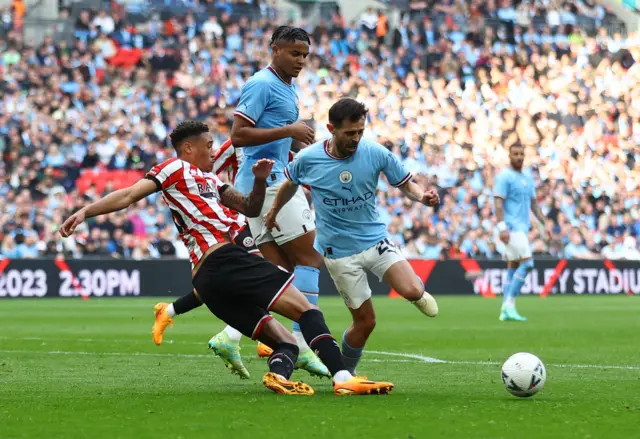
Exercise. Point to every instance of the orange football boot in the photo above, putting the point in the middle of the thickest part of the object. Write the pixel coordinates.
(161, 323)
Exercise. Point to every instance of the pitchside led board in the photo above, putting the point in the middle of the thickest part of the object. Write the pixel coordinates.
(34, 278)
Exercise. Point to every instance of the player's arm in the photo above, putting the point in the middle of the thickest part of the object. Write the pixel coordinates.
(499, 207)
(498, 202)
(537, 212)
(500, 192)
(398, 176)
(113, 202)
(255, 98)
(250, 204)
(414, 192)
(245, 134)
(535, 208)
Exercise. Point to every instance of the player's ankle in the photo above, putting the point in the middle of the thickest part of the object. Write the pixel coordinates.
(300, 341)
(233, 334)
(342, 376)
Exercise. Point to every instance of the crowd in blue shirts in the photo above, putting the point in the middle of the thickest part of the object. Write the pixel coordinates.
(448, 91)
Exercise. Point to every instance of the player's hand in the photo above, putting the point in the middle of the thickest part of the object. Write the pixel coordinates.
(69, 226)
(302, 132)
(541, 229)
(262, 168)
(504, 236)
(430, 198)
(270, 220)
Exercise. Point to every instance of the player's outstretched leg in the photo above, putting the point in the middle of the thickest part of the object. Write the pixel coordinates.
(307, 262)
(282, 360)
(165, 312)
(516, 285)
(226, 345)
(293, 305)
(401, 277)
(306, 280)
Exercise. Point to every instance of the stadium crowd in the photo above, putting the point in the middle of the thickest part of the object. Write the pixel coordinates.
(445, 92)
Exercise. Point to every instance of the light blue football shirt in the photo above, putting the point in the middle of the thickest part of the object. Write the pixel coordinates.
(344, 194)
(267, 102)
(517, 189)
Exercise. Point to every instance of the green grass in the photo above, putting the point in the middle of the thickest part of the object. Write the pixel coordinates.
(76, 369)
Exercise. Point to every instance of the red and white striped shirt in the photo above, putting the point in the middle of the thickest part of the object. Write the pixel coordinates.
(226, 159)
(194, 199)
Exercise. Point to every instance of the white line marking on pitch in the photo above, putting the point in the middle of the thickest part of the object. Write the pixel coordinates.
(149, 354)
(421, 358)
(99, 340)
(424, 359)
(409, 358)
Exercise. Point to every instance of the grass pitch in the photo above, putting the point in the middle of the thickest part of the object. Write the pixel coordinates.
(88, 369)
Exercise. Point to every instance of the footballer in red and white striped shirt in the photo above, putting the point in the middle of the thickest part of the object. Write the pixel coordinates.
(204, 209)
(194, 200)
(239, 287)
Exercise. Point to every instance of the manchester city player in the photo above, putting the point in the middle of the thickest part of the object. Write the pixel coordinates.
(343, 174)
(264, 126)
(515, 195)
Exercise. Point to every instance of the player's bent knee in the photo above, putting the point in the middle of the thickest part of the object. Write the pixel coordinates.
(291, 304)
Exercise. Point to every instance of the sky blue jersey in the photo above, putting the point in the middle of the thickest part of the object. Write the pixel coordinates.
(517, 189)
(344, 194)
(267, 102)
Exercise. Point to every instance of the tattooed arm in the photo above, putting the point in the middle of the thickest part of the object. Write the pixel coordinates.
(250, 204)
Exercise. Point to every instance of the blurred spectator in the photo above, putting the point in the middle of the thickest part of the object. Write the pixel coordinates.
(449, 95)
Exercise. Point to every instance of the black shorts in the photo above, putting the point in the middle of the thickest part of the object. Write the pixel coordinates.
(245, 240)
(240, 288)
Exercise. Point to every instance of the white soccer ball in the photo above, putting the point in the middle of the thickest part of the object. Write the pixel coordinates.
(523, 374)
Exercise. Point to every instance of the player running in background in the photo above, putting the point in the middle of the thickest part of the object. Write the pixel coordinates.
(264, 126)
(238, 287)
(515, 195)
(343, 174)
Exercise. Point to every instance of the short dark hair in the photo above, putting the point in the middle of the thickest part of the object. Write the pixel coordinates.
(186, 129)
(290, 34)
(346, 108)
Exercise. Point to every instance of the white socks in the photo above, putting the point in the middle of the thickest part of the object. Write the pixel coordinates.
(427, 305)
(342, 376)
(170, 311)
(302, 344)
(233, 333)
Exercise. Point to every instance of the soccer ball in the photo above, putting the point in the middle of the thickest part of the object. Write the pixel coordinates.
(523, 374)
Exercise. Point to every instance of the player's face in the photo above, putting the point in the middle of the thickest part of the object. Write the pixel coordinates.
(347, 137)
(516, 157)
(290, 57)
(201, 152)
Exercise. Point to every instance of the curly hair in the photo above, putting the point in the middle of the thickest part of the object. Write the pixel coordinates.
(290, 34)
(187, 129)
